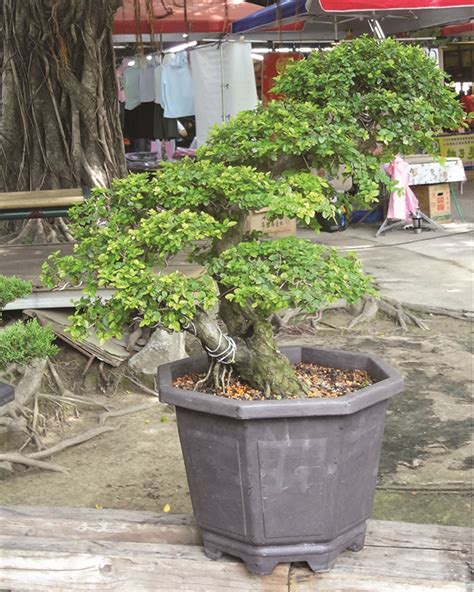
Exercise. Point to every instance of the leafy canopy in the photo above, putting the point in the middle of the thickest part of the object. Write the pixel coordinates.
(391, 90)
(346, 110)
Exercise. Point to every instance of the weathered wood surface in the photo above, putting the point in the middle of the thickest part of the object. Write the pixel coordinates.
(25, 261)
(40, 199)
(68, 549)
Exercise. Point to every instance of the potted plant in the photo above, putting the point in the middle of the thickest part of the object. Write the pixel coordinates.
(290, 477)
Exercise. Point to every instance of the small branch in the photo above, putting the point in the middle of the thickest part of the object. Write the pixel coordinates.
(103, 417)
(74, 399)
(141, 385)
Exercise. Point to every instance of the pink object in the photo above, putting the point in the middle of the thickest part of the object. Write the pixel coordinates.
(169, 146)
(120, 84)
(402, 204)
(182, 152)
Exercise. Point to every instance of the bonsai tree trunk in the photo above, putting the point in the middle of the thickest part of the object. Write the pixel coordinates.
(60, 112)
(256, 358)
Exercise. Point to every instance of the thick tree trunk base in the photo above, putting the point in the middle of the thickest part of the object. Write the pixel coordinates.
(60, 113)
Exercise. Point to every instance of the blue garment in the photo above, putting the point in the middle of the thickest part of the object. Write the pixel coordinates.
(177, 98)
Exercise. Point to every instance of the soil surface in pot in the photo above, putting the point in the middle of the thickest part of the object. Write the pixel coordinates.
(323, 382)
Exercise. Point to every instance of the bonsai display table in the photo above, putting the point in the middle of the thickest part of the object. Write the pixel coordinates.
(87, 549)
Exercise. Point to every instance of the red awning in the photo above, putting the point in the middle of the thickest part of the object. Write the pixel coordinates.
(202, 16)
(457, 30)
(364, 5)
(334, 19)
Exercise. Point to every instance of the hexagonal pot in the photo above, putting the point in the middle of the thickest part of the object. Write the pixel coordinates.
(288, 480)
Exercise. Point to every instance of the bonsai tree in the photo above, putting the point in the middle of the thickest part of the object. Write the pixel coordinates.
(353, 107)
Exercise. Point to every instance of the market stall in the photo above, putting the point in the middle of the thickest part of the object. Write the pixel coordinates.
(336, 19)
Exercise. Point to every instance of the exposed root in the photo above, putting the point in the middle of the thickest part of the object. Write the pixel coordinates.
(368, 313)
(392, 308)
(138, 383)
(103, 417)
(205, 381)
(292, 322)
(15, 458)
(74, 441)
(75, 400)
(216, 374)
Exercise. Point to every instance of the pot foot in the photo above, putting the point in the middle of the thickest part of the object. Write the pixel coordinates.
(212, 553)
(358, 543)
(260, 566)
(323, 562)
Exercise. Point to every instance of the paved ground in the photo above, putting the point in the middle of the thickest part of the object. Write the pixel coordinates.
(433, 268)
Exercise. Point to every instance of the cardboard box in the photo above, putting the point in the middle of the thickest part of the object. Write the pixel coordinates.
(435, 201)
(277, 228)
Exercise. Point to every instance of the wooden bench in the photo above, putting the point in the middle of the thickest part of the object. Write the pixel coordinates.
(52, 203)
(57, 549)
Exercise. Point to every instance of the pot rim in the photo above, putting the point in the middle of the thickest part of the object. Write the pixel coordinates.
(389, 383)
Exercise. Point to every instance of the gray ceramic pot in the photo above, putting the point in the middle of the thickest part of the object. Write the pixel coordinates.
(281, 481)
(7, 393)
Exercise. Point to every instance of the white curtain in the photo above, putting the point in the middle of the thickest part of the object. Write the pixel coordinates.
(223, 84)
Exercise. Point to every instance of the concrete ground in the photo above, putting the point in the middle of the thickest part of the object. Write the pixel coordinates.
(427, 459)
(433, 268)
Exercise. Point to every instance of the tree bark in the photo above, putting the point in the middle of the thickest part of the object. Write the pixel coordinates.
(257, 359)
(61, 123)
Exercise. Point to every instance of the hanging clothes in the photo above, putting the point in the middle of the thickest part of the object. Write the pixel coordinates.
(224, 84)
(146, 81)
(131, 77)
(157, 79)
(164, 128)
(177, 98)
(120, 82)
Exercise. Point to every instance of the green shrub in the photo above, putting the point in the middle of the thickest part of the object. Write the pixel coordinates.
(21, 343)
(12, 288)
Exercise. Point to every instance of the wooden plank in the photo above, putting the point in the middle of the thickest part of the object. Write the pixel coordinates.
(334, 581)
(25, 261)
(392, 562)
(40, 199)
(53, 565)
(105, 525)
(385, 533)
(399, 557)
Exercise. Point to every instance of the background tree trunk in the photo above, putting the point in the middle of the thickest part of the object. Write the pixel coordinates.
(60, 112)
